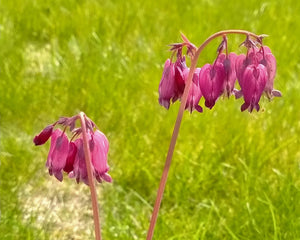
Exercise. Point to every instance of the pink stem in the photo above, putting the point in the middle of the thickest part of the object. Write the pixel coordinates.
(164, 176)
(87, 155)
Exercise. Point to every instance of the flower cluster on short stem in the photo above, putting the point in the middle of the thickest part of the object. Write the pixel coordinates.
(68, 154)
(254, 71)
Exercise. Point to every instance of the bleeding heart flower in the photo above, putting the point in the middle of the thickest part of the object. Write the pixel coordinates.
(58, 153)
(228, 63)
(79, 170)
(99, 149)
(195, 94)
(254, 82)
(167, 86)
(269, 61)
(180, 67)
(212, 82)
(69, 156)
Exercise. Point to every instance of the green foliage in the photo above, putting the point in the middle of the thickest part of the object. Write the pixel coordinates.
(234, 175)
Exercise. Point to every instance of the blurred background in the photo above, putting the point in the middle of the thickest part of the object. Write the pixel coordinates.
(234, 175)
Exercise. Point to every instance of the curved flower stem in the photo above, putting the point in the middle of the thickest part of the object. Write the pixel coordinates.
(87, 156)
(164, 176)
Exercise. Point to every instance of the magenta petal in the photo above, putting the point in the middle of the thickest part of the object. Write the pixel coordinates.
(71, 157)
(43, 136)
(206, 84)
(211, 82)
(195, 94)
(266, 49)
(228, 63)
(179, 66)
(271, 65)
(240, 66)
(244, 106)
(269, 61)
(99, 153)
(237, 93)
(271, 68)
(230, 74)
(106, 177)
(79, 171)
(254, 82)
(58, 175)
(198, 108)
(167, 85)
(58, 153)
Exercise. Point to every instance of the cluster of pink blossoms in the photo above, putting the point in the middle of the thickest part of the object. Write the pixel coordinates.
(254, 71)
(68, 156)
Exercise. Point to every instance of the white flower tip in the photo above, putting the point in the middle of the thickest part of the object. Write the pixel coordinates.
(276, 93)
(106, 177)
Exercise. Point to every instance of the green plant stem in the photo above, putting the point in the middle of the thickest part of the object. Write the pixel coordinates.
(164, 176)
(87, 156)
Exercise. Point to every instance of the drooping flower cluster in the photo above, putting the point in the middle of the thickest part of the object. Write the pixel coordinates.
(173, 81)
(254, 71)
(68, 155)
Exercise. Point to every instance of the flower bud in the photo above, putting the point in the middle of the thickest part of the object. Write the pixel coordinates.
(43, 136)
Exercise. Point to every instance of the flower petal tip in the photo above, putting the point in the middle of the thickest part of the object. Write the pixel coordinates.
(199, 108)
(59, 176)
(237, 93)
(244, 107)
(276, 93)
(106, 177)
(209, 104)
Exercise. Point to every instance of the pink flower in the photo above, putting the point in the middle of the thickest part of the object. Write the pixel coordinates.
(212, 82)
(172, 84)
(98, 145)
(195, 94)
(265, 57)
(43, 136)
(79, 168)
(269, 61)
(254, 81)
(180, 67)
(99, 149)
(167, 85)
(261, 64)
(240, 65)
(71, 157)
(58, 153)
(228, 63)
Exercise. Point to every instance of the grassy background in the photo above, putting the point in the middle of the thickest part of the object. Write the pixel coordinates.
(234, 175)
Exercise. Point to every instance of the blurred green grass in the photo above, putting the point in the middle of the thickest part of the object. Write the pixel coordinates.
(234, 175)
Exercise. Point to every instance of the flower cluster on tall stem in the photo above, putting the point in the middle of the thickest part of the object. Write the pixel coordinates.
(255, 73)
